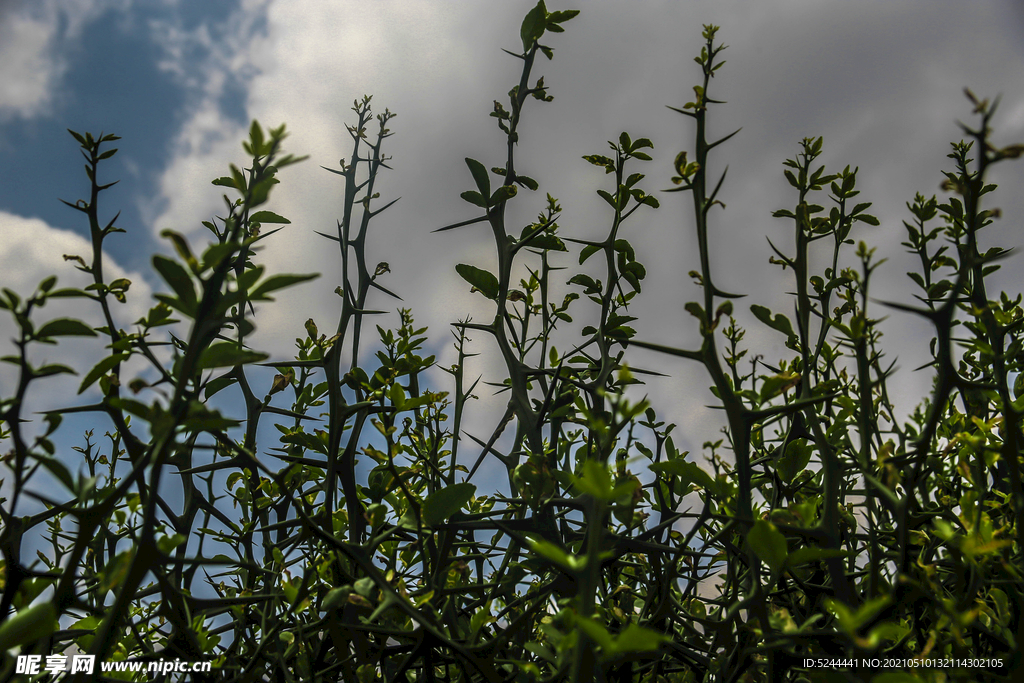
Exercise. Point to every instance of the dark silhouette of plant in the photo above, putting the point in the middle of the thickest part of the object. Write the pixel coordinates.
(829, 535)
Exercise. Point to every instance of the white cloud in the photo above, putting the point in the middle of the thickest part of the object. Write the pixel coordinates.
(36, 39)
(30, 72)
(882, 84)
(302, 63)
(201, 153)
(34, 250)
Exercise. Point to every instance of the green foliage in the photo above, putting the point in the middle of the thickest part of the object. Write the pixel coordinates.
(357, 548)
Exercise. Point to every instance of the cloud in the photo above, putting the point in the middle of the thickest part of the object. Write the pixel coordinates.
(34, 250)
(393, 50)
(31, 73)
(881, 83)
(36, 41)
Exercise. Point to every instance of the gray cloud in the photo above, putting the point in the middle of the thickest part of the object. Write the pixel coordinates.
(880, 81)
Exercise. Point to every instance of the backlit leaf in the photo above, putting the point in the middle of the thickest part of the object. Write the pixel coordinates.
(65, 327)
(768, 544)
(267, 217)
(175, 275)
(100, 369)
(481, 279)
(780, 322)
(533, 25)
(276, 282)
(28, 625)
(443, 503)
(227, 354)
(480, 176)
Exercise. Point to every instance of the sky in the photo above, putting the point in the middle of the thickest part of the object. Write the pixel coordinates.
(180, 81)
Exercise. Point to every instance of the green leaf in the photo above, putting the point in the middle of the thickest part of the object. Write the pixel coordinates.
(798, 452)
(694, 309)
(850, 621)
(100, 369)
(180, 246)
(53, 369)
(308, 441)
(594, 630)
(608, 198)
(776, 384)
(481, 279)
(527, 182)
(268, 217)
(477, 621)
(200, 418)
(261, 190)
(217, 253)
(59, 470)
(116, 570)
(779, 322)
(594, 480)
(688, 473)
(28, 625)
(636, 270)
(562, 16)
(591, 287)
(546, 241)
(812, 554)
(215, 385)
(239, 178)
(180, 281)
(768, 544)
(503, 193)
(168, 543)
(636, 638)
(443, 503)
(474, 198)
(397, 396)
(336, 598)
(276, 282)
(227, 354)
(136, 408)
(598, 160)
(533, 25)
(624, 247)
(65, 327)
(551, 552)
(588, 251)
(483, 181)
(256, 139)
